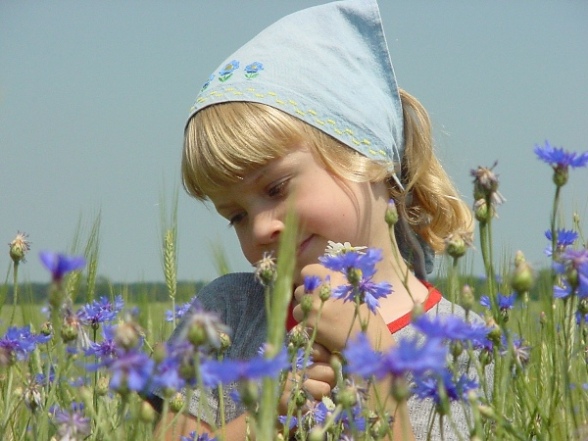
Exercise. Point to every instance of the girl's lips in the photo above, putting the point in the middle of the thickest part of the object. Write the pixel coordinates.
(303, 245)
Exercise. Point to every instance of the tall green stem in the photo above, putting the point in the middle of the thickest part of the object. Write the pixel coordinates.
(276, 318)
(14, 292)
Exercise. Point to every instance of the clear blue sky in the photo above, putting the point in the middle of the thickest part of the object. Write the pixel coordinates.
(94, 97)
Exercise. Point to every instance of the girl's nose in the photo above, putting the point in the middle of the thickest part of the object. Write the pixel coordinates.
(267, 227)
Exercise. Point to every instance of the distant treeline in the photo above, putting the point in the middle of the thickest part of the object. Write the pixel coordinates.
(131, 292)
(158, 292)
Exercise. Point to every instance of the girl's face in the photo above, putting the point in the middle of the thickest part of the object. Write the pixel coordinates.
(328, 208)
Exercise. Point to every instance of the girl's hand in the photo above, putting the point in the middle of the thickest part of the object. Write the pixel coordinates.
(338, 319)
(319, 379)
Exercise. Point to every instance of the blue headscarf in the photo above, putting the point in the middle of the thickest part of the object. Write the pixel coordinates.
(327, 65)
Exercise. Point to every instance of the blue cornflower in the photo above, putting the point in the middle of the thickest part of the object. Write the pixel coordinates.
(106, 348)
(71, 425)
(520, 350)
(311, 283)
(411, 356)
(181, 310)
(227, 371)
(18, 343)
(361, 359)
(301, 362)
(167, 372)
(194, 437)
(359, 268)
(451, 327)
(573, 265)
(100, 311)
(442, 383)
(557, 157)
(344, 262)
(131, 370)
(564, 237)
(504, 302)
(60, 264)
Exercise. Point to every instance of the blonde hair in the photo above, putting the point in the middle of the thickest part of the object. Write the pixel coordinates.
(225, 141)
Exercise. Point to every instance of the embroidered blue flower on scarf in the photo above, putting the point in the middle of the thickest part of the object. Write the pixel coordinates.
(227, 71)
(205, 85)
(252, 70)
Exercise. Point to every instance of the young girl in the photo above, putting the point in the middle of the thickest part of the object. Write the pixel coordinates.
(309, 111)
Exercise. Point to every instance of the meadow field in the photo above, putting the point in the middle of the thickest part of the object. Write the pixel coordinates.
(84, 360)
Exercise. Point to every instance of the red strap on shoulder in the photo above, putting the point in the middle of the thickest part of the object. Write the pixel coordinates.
(433, 298)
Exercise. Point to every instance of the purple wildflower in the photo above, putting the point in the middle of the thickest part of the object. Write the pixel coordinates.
(559, 158)
(130, 371)
(311, 283)
(359, 268)
(564, 237)
(194, 437)
(451, 327)
(573, 265)
(107, 348)
(504, 302)
(72, 425)
(412, 356)
(18, 343)
(227, 371)
(362, 360)
(439, 385)
(181, 310)
(100, 311)
(60, 264)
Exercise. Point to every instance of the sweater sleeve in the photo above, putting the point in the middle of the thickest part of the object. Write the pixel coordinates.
(239, 301)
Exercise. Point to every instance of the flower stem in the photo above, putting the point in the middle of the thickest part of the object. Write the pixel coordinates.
(15, 292)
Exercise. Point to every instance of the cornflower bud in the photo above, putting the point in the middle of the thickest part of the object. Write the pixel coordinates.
(146, 412)
(225, 341)
(298, 337)
(481, 210)
(70, 329)
(159, 352)
(19, 248)
(400, 389)
(102, 385)
(325, 292)
(306, 304)
(467, 297)
(391, 215)
(299, 398)
(456, 348)
(495, 332)
(457, 243)
(523, 277)
(197, 334)
(347, 398)
(127, 335)
(265, 270)
(46, 328)
(249, 394)
(316, 434)
(177, 402)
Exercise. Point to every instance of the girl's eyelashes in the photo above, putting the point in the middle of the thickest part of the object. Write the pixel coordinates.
(236, 219)
(278, 190)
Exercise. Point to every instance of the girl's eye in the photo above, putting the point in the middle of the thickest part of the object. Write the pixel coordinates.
(278, 190)
(235, 220)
